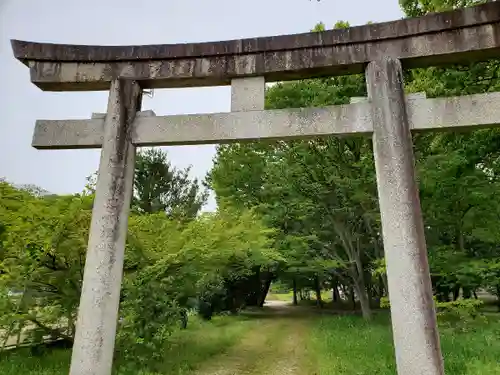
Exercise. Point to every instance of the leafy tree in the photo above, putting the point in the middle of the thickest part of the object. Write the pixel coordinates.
(45, 243)
(170, 266)
(415, 8)
(458, 173)
(202, 261)
(320, 194)
(310, 191)
(160, 187)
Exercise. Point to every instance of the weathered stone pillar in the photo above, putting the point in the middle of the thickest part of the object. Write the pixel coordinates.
(416, 337)
(98, 311)
(247, 94)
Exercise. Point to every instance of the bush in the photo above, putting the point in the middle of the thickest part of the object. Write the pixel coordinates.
(458, 314)
(385, 303)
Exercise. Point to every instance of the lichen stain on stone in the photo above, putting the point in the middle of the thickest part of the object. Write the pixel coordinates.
(155, 68)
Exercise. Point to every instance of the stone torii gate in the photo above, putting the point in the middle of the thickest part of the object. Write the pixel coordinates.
(380, 50)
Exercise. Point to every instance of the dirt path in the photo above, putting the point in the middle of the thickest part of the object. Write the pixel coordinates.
(276, 347)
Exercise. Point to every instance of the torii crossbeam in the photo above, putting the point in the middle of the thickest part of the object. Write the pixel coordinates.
(380, 50)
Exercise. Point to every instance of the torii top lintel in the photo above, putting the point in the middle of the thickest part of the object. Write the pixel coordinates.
(459, 36)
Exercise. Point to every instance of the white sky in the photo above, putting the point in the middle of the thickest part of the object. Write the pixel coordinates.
(118, 22)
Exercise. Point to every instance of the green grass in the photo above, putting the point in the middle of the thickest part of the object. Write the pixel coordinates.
(349, 346)
(187, 349)
(183, 353)
(326, 296)
(288, 297)
(21, 362)
(330, 344)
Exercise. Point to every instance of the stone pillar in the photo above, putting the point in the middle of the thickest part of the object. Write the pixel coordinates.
(416, 337)
(247, 94)
(98, 311)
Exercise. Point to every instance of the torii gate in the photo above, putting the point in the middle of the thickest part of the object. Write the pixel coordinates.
(381, 50)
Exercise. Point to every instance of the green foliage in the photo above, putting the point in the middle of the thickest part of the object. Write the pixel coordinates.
(385, 303)
(184, 265)
(159, 187)
(458, 175)
(183, 352)
(170, 265)
(319, 195)
(44, 245)
(460, 311)
(415, 8)
(321, 198)
(460, 314)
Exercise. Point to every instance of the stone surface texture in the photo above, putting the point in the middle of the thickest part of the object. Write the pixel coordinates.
(480, 110)
(147, 113)
(413, 316)
(463, 35)
(98, 311)
(248, 94)
(412, 96)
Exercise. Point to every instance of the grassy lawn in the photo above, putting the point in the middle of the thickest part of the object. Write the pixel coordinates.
(348, 346)
(326, 296)
(287, 297)
(291, 341)
(184, 352)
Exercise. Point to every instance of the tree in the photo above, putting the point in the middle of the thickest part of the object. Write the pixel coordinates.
(310, 191)
(159, 187)
(170, 267)
(45, 242)
(321, 198)
(205, 263)
(458, 174)
(415, 8)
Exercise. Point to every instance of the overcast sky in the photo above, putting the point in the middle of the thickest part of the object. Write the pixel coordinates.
(111, 22)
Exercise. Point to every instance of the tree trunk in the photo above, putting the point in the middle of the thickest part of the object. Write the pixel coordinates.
(335, 293)
(265, 290)
(184, 318)
(295, 302)
(456, 293)
(302, 295)
(364, 301)
(353, 298)
(498, 297)
(385, 284)
(359, 285)
(442, 293)
(381, 287)
(252, 286)
(317, 288)
(467, 293)
(372, 292)
(343, 288)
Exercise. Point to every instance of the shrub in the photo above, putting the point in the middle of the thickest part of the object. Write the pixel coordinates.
(459, 313)
(384, 303)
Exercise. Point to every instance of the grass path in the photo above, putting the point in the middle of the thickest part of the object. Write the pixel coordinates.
(275, 347)
(287, 340)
